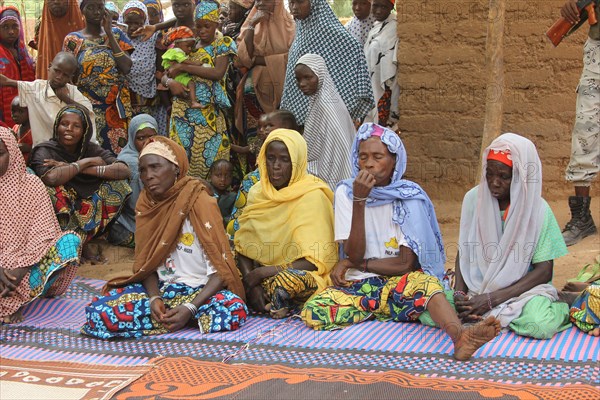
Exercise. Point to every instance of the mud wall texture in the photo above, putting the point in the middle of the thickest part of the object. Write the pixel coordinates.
(443, 77)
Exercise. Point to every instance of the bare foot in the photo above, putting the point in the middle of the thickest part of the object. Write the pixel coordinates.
(575, 286)
(594, 332)
(15, 318)
(91, 255)
(195, 104)
(473, 337)
(567, 297)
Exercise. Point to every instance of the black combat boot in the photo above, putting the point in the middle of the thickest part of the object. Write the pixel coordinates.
(581, 224)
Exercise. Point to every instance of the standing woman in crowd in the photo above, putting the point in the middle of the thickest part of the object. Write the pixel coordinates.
(102, 52)
(263, 47)
(318, 31)
(37, 258)
(59, 18)
(85, 182)
(381, 51)
(141, 78)
(203, 132)
(15, 62)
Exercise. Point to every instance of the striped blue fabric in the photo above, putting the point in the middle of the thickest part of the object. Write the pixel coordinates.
(51, 332)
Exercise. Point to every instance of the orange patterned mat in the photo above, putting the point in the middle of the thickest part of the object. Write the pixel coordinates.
(64, 380)
(187, 378)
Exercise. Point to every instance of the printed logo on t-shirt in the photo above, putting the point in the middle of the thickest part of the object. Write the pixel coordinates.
(392, 247)
(167, 273)
(185, 242)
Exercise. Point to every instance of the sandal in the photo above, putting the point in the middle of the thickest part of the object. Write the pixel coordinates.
(589, 273)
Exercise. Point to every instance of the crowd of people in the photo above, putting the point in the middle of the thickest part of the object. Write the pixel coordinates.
(223, 146)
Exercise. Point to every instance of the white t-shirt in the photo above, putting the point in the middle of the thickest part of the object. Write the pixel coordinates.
(383, 236)
(43, 105)
(188, 263)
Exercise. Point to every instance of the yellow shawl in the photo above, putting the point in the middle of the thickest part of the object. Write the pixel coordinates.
(278, 227)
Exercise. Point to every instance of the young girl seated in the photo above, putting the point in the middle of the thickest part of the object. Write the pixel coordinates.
(37, 258)
(508, 242)
(221, 175)
(394, 261)
(87, 185)
(329, 129)
(267, 123)
(22, 129)
(184, 272)
(285, 241)
(183, 40)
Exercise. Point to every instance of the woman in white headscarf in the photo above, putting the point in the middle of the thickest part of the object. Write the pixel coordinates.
(328, 129)
(508, 241)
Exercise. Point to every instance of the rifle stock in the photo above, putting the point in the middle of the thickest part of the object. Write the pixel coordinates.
(561, 28)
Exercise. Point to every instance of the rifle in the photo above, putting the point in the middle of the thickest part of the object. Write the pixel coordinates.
(562, 27)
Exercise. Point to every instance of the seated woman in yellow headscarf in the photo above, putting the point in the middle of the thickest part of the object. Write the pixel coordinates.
(285, 241)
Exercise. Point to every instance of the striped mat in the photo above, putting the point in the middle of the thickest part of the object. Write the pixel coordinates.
(50, 332)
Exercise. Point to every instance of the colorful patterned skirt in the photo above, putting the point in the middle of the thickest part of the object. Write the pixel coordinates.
(90, 216)
(51, 276)
(125, 312)
(585, 311)
(290, 289)
(398, 298)
(202, 133)
(240, 201)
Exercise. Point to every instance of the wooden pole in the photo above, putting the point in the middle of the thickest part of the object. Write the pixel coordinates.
(494, 60)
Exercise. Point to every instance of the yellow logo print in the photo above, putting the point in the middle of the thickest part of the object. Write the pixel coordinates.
(186, 239)
(393, 243)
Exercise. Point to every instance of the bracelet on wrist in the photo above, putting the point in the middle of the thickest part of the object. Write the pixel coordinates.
(460, 293)
(354, 198)
(489, 300)
(154, 298)
(119, 54)
(190, 306)
(76, 166)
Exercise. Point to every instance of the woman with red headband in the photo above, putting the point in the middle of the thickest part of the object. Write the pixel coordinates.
(508, 241)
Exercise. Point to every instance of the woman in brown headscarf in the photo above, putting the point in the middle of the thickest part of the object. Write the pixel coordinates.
(263, 45)
(59, 17)
(184, 271)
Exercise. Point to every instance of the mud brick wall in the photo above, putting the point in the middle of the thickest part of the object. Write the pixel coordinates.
(443, 78)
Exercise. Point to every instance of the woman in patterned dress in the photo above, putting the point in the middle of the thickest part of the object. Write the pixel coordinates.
(102, 52)
(184, 272)
(37, 258)
(86, 183)
(203, 133)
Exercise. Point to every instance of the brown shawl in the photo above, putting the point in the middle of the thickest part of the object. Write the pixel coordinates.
(158, 227)
(52, 34)
(272, 40)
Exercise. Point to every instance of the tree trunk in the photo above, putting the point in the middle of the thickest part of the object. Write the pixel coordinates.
(494, 60)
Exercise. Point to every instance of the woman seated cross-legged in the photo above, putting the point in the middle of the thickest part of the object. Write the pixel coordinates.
(87, 184)
(36, 258)
(184, 272)
(285, 240)
(508, 241)
(395, 256)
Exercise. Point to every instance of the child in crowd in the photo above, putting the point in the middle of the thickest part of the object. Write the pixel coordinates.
(22, 129)
(221, 174)
(183, 40)
(362, 22)
(142, 80)
(266, 124)
(45, 98)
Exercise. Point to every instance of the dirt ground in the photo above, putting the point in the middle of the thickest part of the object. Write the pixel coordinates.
(448, 213)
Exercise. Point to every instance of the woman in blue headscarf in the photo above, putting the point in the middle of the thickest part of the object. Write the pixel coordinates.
(393, 256)
(141, 128)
